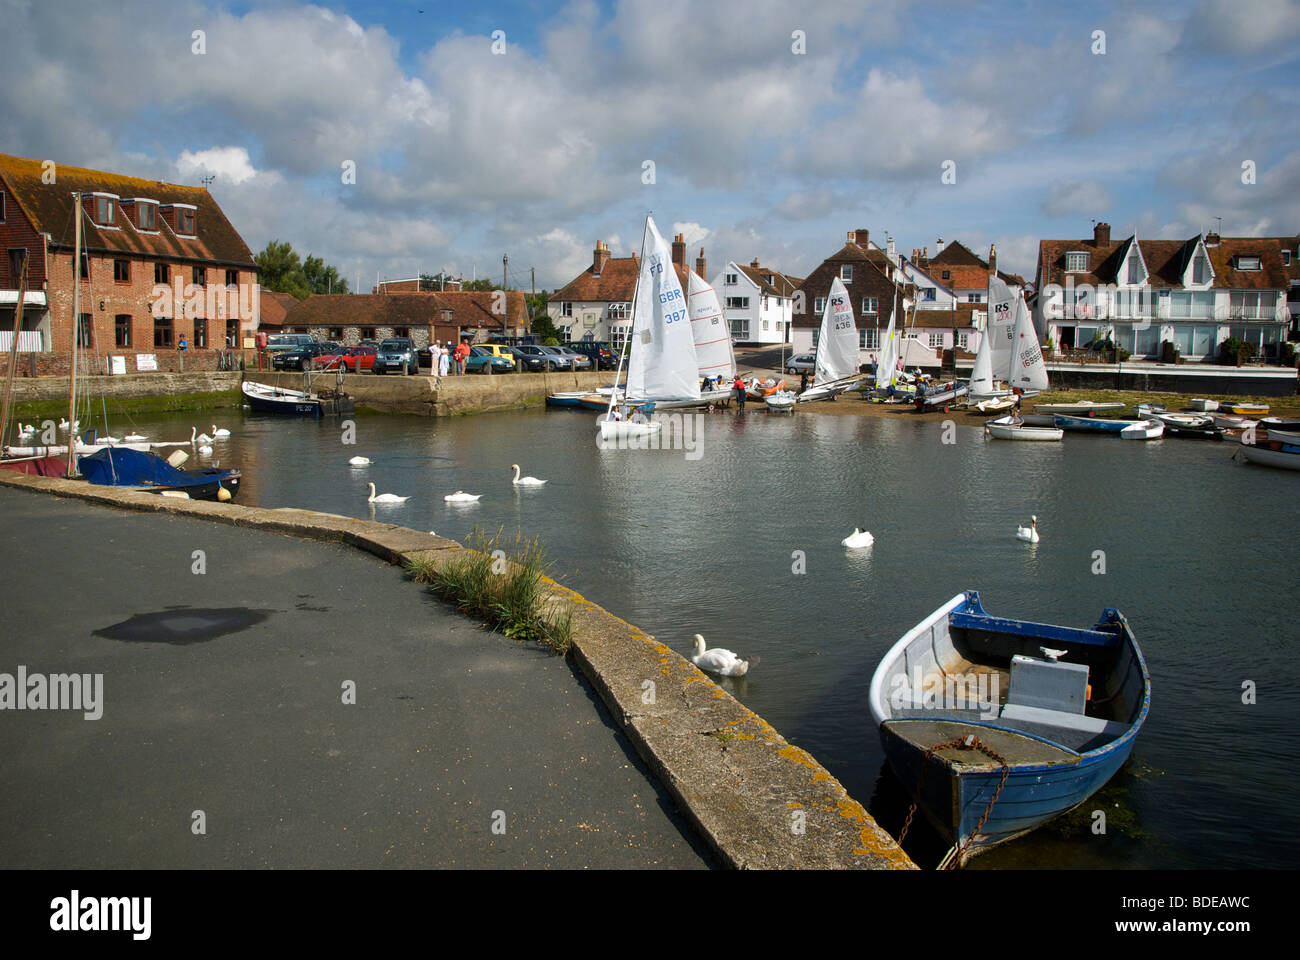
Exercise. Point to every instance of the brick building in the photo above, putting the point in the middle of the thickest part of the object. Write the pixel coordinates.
(138, 236)
(349, 318)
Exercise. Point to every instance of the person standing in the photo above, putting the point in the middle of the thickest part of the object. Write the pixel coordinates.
(462, 354)
(740, 393)
(803, 381)
(444, 362)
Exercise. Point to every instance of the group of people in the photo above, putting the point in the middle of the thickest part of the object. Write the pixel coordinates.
(448, 355)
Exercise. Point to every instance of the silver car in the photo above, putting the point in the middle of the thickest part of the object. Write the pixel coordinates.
(801, 362)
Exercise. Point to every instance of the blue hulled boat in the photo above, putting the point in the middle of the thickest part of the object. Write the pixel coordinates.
(129, 469)
(995, 726)
(1090, 424)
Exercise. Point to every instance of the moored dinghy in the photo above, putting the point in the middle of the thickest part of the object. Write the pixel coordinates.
(1014, 428)
(1143, 430)
(1006, 736)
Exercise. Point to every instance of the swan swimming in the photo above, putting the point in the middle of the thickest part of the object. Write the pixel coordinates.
(219, 432)
(858, 539)
(461, 497)
(360, 461)
(525, 481)
(1029, 533)
(385, 497)
(196, 437)
(719, 661)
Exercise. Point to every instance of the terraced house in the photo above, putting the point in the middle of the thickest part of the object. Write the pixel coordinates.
(1192, 294)
(137, 235)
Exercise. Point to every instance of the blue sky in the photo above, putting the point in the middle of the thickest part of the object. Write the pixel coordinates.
(463, 154)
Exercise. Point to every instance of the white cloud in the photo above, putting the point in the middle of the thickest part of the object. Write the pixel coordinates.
(1076, 196)
(226, 163)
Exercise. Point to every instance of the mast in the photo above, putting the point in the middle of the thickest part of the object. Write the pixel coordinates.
(76, 323)
(13, 351)
(613, 396)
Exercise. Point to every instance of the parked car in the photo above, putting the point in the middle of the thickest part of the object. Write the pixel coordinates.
(801, 362)
(579, 361)
(397, 353)
(479, 358)
(550, 356)
(529, 362)
(279, 342)
(600, 353)
(355, 359)
(302, 356)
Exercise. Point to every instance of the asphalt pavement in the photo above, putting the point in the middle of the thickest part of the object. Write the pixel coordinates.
(226, 741)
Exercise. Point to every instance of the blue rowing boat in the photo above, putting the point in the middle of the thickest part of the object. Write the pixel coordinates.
(995, 726)
(1090, 424)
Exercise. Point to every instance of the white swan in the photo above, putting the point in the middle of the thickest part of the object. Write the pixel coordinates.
(360, 461)
(219, 432)
(1029, 533)
(203, 437)
(63, 424)
(525, 481)
(385, 497)
(205, 449)
(719, 661)
(462, 497)
(107, 440)
(26, 431)
(858, 539)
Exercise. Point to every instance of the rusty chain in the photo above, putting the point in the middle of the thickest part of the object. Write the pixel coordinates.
(959, 743)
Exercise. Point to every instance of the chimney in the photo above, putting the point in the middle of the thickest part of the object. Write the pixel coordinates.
(860, 237)
(1101, 233)
(993, 258)
(701, 265)
(599, 257)
(938, 246)
(889, 249)
(679, 251)
(1211, 239)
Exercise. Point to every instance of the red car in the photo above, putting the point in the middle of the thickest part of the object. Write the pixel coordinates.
(354, 359)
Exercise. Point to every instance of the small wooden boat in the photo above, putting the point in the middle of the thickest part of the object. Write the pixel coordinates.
(995, 726)
(990, 407)
(1279, 423)
(1084, 408)
(1089, 424)
(571, 398)
(1233, 421)
(1143, 430)
(942, 397)
(1208, 406)
(1244, 409)
(1189, 425)
(1013, 428)
(1268, 457)
(264, 398)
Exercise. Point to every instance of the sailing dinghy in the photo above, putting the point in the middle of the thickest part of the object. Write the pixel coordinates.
(836, 366)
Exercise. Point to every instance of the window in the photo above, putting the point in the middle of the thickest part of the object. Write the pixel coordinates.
(618, 334)
(1286, 254)
(936, 341)
(869, 338)
(404, 332)
(870, 306)
(732, 279)
(146, 216)
(737, 303)
(947, 275)
(846, 272)
(974, 298)
(2, 206)
(104, 211)
(1201, 269)
(85, 331)
(963, 339)
(1135, 271)
(739, 329)
(620, 311)
(1076, 262)
(566, 309)
(200, 335)
(17, 260)
(185, 218)
(122, 330)
(162, 273)
(85, 265)
(927, 293)
(121, 271)
(1248, 263)
(162, 331)
(819, 305)
(367, 333)
(1253, 304)
(232, 333)
(232, 278)
(336, 333)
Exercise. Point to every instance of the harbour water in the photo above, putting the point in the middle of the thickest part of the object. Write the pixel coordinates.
(742, 545)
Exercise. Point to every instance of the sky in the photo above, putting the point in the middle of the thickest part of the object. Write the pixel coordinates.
(758, 128)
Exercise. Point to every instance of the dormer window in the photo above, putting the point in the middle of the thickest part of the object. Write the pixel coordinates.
(947, 275)
(1286, 254)
(1076, 262)
(846, 273)
(147, 218)
(2, 206)
(732, 280)
(1247, 263)
(185, 221)
(1135, 272)
(105, 210)
(1200, 269)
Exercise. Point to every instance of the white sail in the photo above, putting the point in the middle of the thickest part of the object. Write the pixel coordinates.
(887, 362)
(981, 377)
(713, 352)
(661, 361)
(1001, 326)
(837, 344)
(1027, 372)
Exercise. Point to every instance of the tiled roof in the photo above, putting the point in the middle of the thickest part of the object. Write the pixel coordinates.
(1166, 259)
(468, 309)
(781, 285)
(50, 206)
(274, 307)
(616, 283)
(966, 270)
(870, 281)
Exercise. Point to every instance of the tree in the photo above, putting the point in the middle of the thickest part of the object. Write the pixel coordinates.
(543, 327)
(284, 272)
